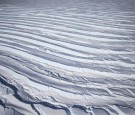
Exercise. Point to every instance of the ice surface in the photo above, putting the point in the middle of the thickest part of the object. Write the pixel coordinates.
(74, 57)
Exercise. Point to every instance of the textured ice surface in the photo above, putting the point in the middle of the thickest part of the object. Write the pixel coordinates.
(74, 57)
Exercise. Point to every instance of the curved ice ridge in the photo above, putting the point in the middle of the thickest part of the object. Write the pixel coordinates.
(67, 62)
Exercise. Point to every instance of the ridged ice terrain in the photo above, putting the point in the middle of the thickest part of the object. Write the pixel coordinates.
(68, 60)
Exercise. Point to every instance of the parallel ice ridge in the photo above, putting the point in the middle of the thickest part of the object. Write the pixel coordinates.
(67, 62)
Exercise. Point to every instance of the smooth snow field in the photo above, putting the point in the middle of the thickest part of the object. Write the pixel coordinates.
(67, 57)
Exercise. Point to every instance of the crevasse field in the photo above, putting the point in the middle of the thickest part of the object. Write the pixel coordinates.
(74, 57)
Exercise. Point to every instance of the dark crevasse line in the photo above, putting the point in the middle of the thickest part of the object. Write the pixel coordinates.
(1, 103)
(34, 108)
(15, 89)
(16, 93)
